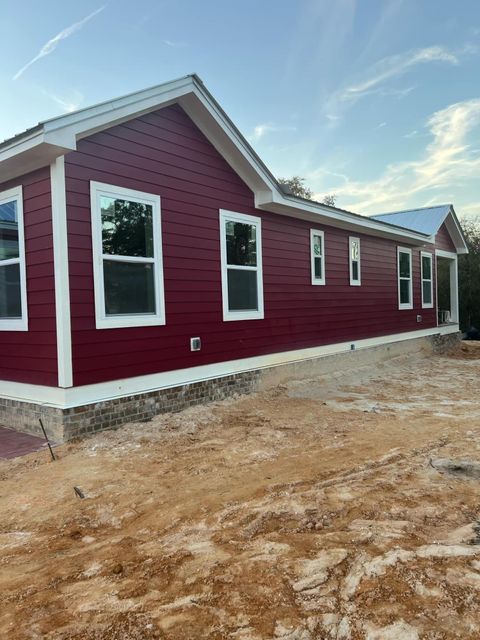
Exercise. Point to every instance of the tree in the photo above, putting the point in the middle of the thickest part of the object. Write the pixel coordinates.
(295, 186)
(329, 200)
(469, 275)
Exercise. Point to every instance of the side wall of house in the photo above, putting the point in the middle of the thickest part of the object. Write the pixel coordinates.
(164, 153)
(31, 356)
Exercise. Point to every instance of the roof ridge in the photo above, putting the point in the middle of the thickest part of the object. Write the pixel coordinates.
(393, 213)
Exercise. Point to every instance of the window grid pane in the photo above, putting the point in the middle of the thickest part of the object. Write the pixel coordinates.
(10, 291)
(426, 268)
(404, 265)
(317, 246)
(355, 270)
(242, 290)
(129, 288)
(9, 247)
(241, 242)
(405, 290)
(127, 227)
(427, 291)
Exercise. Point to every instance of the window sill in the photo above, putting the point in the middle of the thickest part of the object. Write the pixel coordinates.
(243, 315)
(14, 325)
(127, 322)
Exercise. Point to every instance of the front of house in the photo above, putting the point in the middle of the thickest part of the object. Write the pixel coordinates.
(149, 260)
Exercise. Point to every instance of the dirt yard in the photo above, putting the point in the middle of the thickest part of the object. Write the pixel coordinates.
(312, 511)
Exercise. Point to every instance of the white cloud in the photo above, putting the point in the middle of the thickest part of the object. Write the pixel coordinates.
(397, 65)
(382, 72)
(447, 166)
(67, 104)
(50, 46)
(267, 127)
(174, 44)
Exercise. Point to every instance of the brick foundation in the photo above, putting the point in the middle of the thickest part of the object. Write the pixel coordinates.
(65, 424)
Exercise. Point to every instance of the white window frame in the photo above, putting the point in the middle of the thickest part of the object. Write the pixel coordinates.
(426, 254)
(313, 233)
(104, 321)
(353, 282)
(249, 314)
(17, 324)
(404, 305)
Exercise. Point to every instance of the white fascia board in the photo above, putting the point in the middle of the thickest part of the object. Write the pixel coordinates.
(104, 391)
(317, 214)
(231, 145)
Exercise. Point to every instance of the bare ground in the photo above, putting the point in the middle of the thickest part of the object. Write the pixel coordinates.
(311, 511)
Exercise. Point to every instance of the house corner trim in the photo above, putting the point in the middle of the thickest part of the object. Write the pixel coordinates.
(61, 273)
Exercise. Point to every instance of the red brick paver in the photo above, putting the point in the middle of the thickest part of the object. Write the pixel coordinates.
(14, 443)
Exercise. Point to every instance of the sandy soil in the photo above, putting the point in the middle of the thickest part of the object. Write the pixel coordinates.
(311, 511)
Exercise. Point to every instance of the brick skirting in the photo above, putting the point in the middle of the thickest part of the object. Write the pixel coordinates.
(65, 424)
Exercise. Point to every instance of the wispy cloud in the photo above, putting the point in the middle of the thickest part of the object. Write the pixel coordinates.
(175, 44)
(447, 165)
(397, 65)
(50, 46)
(383, 71)
(67, 104)
(268, 127)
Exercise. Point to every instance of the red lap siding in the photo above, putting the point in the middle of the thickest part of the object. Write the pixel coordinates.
(164, 153)
(443, 240)
(31, 356)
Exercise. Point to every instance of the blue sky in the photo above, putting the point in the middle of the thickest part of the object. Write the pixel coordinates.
(377, 101)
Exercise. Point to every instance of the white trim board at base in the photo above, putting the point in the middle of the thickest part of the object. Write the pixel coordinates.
(104, 391)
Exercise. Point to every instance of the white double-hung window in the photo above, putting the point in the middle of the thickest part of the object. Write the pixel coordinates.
(127, 257)
(427, 280)
(317, 256)
(241, 258)
(355, 274)
(13, 289)
(404, 267)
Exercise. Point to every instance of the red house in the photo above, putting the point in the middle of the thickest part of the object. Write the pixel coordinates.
(149, 260)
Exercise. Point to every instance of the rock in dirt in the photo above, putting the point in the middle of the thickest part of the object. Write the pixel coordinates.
(315, 572)
(465, 468)
(397, 631)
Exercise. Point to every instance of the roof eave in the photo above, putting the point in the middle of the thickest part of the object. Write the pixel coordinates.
(320, 214)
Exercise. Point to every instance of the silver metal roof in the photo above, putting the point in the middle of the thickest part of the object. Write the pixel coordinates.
(427, 220)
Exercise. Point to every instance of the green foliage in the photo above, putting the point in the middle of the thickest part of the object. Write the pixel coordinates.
(329, 200)
(127, 228)
(469, 275)
(296, 186)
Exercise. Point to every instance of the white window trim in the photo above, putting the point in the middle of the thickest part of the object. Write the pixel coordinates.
(426, 254)
(313, 233)
(255, 314)
(400, 304)
(17, 324)
(103, 321)
(354, 283)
